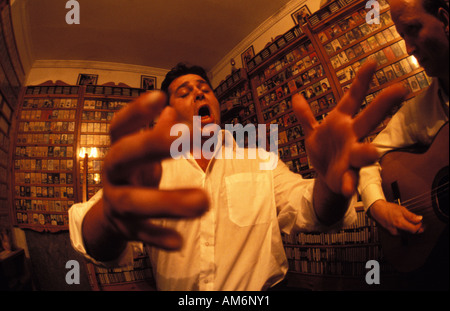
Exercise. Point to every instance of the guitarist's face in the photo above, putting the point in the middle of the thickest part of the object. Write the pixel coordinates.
(426, 35)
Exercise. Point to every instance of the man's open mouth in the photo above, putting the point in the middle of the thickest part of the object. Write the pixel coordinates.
(205, 114)
(204, 111)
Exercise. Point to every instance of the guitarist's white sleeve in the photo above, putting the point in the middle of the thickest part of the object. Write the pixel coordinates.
(370, 185)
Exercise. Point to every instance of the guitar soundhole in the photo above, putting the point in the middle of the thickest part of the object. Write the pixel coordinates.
(440, 194)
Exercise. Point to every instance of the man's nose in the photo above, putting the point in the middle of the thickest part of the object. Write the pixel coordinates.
(199, 95)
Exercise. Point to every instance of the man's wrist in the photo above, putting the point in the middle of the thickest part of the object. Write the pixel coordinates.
(373, 207)
(329, 207)
(101, 238)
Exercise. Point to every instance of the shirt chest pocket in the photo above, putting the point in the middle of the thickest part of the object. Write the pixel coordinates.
(250, 199)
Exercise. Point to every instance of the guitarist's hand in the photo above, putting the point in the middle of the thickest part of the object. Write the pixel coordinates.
(396, 218)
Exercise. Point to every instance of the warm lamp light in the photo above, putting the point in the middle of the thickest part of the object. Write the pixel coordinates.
(93, 153)
(415, 62)
(97, 178)
(82, 152)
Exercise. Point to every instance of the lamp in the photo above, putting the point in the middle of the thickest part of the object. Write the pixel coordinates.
(414, 61)
(85, 156)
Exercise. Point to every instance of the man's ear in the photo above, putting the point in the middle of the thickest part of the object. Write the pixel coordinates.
(443, 17)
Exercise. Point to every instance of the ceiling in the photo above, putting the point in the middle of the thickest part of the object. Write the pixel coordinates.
(153, 33)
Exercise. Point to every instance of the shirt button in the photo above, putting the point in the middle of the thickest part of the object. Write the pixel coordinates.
(206, 281)
(207, 243)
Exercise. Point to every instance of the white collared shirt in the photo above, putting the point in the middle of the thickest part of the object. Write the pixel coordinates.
(236, 244)
(415, 123)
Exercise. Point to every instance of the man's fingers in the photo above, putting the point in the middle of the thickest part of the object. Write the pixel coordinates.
(146, 231)
(145, 175)
(146, 202)
(410, 227)
(137, 114)
(139, 148)
(377, 111)
(349, 182)
(408, 221)
(304, 114)
(160, 237)
(353, 98)
(363, 154)
(411, 217)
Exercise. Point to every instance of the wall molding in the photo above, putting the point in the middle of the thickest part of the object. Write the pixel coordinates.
(96, 65)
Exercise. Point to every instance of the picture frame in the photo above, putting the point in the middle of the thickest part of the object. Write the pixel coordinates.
(247, 55)
(300, 15)
(87, 79)
(148, 83)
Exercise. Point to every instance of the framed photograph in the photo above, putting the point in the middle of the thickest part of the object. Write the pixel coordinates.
(300, 15)
(87, 79)
(148, 83)
(247, 56)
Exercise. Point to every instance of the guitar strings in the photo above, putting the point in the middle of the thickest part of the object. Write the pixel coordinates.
(419, 198)
(418, 201)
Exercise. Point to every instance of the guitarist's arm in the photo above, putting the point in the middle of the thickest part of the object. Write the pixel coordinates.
(391, 216)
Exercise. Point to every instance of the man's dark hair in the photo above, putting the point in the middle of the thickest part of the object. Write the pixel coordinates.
(432, 6)
(182, 69)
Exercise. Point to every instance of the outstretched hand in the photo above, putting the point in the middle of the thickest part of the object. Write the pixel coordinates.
(131, 198)
(132, 172)
(334, 146)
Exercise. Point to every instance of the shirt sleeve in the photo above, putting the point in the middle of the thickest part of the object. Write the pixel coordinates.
(370, 185)
(294, 198)
(393, 136)
(76, 216)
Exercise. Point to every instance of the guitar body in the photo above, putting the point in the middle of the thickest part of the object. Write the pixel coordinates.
(420, 181)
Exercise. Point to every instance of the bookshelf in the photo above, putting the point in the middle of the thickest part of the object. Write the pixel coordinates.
(55, 122)
(136, 276)
(294, 68)
(12, 76)
(236, 99)
(6, 119)
(341, 256)
(347, 40)
(44, 157)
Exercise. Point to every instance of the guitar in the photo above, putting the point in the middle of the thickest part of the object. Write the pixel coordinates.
(419, 182)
